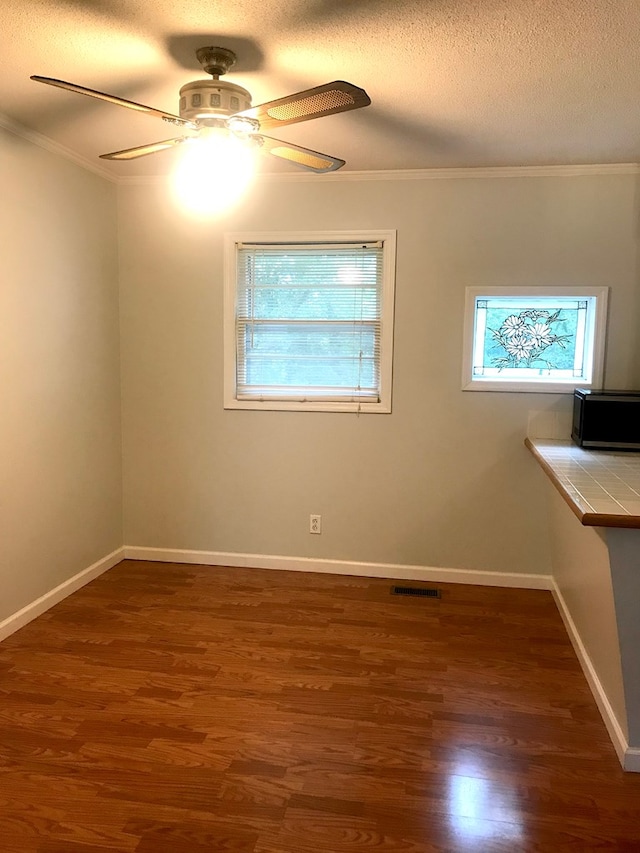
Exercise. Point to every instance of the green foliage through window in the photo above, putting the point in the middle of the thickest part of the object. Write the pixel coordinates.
(308, 321)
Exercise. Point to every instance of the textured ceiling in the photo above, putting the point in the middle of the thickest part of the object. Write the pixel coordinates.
(453, 83)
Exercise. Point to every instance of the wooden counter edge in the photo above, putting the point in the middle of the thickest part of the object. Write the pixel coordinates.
(588, 519)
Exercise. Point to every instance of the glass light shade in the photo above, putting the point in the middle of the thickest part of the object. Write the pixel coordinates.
(213, 172)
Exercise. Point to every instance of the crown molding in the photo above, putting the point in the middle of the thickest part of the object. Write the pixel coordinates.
(448, 173)
(445, 173)
(41, 141)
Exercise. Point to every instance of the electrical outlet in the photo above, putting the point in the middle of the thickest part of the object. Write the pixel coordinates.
(315, 524)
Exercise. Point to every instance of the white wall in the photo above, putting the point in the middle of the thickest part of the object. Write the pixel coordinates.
(442, 481)
(60, 436)
(624, 558)
(582, 573)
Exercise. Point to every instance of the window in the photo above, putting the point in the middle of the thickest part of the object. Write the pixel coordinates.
(534, 339)
(309, 321)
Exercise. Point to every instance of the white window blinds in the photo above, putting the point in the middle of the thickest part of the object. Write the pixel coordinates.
(309, 321)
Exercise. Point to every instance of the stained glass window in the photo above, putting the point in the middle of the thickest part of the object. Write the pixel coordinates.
(533, 338)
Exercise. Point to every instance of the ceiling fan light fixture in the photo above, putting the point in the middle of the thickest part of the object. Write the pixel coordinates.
(214, 171)
(242, 125)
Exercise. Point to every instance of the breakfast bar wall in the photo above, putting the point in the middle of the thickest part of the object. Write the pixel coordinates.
(594, 518)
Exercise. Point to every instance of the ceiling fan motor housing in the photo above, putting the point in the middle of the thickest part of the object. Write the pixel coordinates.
(211, 99)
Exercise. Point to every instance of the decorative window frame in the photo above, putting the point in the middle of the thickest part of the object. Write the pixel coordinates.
(595, 332)
(275, 238)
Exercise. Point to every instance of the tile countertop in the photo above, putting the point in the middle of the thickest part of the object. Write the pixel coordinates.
(602, 487)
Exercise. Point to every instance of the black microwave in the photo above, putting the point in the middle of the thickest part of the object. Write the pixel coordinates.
(608, 420)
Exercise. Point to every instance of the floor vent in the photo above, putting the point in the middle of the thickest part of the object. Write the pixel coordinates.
(417, 591)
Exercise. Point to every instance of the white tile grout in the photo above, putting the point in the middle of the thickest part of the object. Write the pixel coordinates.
(603, 481)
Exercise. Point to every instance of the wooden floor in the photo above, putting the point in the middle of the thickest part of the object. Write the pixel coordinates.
(182, 709)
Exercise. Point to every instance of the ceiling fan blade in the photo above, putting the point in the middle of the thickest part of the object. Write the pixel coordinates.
(304, 157)
(112, 99)
(143, 150)
(320, 101)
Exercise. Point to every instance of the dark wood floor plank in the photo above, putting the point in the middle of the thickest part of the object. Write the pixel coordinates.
(167, 708)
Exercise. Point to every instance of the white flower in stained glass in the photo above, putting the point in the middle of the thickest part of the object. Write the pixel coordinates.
(520, 346)
(541, 335)
(512, 325)
(525, 336)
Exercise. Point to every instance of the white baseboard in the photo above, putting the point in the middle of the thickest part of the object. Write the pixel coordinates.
(40, 605)
(340, 567)
(629, 756)
(632, 759)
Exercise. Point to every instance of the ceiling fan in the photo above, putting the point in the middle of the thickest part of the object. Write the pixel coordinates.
(209, 104)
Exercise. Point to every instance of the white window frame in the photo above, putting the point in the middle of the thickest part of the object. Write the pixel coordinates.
(595, 341)
(271, 238)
